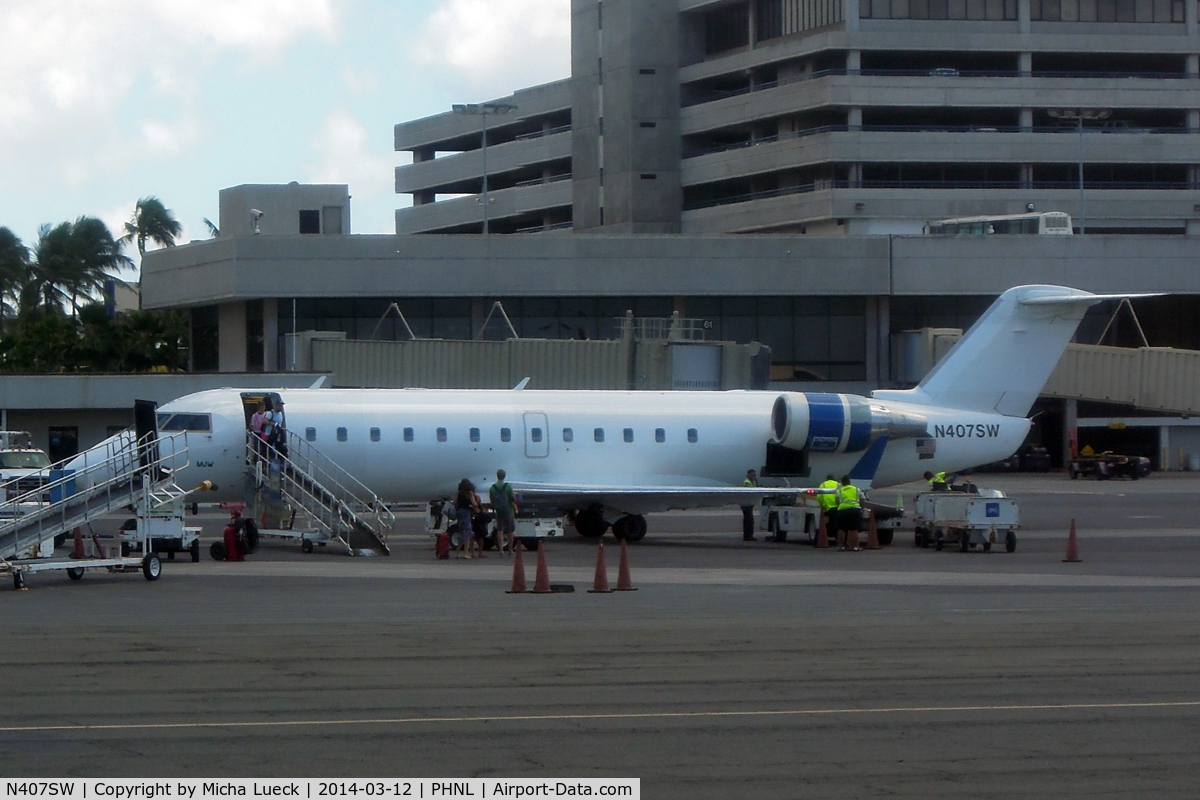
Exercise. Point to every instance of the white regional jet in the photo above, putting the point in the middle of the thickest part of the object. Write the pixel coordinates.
(609, 457)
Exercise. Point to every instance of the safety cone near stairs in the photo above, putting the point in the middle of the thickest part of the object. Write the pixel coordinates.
(541, 584)
(872, 533)
(624, 584)
(518, 581)
(822, 536)
(600, 584)
(1072, 546)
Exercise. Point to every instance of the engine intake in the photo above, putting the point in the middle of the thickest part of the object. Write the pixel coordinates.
(838, 423)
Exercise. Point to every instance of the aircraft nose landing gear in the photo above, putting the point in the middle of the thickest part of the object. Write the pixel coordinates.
(631, 528)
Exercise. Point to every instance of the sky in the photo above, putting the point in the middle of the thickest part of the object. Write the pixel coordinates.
(103, 102)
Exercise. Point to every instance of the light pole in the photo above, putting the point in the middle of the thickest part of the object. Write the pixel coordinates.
(484, 110)
(1079, 115)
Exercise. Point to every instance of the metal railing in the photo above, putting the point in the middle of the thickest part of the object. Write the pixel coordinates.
(107, 477)
(673, 328)
(332, 497)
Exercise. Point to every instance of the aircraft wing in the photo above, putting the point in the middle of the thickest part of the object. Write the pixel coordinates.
(645, 499)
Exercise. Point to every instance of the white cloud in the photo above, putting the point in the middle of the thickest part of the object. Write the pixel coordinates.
(499, 45)
(346, 157)
(70, 65)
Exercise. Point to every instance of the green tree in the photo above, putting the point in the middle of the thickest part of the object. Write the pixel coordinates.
(152, 221)
(71, 259)
(14, 269)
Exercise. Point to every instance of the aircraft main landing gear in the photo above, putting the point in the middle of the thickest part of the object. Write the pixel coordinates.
(630, 528)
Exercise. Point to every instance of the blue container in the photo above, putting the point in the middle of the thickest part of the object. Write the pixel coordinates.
(62, 490)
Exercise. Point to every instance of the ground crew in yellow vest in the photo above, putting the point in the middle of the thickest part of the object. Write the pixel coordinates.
(849, 513)
(748, 511)
(937, 481)
(828, 504)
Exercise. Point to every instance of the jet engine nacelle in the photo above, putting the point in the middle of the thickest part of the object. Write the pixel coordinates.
(838, 423)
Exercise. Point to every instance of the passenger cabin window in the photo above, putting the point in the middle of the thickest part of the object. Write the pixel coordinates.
(693, 435)
(441, 434)
(568, 435)
(629, 434)
(474, 434)
(660, 435)
(599, 434)
(505, 435)
(408, 434)
(310, 434)
(342, 434)
(196, 423)
(375, 435)
(535, 434)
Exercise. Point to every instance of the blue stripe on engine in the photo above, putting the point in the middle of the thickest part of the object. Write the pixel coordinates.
(826, 421)
(860, 435)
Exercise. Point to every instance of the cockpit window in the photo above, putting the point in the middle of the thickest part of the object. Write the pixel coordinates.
(199, 423)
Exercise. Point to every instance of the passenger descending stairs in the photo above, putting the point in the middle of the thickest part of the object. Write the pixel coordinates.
(336, 502)
(115, 474)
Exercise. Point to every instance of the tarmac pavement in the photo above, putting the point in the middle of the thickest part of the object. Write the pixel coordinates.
(756, 669)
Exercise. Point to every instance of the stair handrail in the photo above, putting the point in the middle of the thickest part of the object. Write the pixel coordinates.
(352, 493)
(121, 461)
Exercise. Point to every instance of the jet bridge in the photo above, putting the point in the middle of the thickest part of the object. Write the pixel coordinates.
(300, 484)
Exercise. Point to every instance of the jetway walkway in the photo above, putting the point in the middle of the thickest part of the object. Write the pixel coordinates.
(340, 506)
(121, 472)
(1153, 378)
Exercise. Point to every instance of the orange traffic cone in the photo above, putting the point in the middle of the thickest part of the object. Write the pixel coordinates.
(1072, 546)
(518, 581)
(541, 584)
(822, 536)
(600, 584)
(624, 584)
(872, 533)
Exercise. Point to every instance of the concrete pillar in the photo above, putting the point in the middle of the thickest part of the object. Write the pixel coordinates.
(854, 58)
(1193, 119)
(680, 306)
(1070, 445)
(270, 334)
(1027, 176)
(1026, 120)
(1023, 15)
(478, 315)
(1025, 64)
(884, 341)
(753, 8)
(231, 337)
(1189, 14)
(1164, 448)
(1193, 64)
(850, 14)
(871, 311)
(854, 118)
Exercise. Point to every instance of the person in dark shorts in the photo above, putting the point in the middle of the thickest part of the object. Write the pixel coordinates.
(504, 504)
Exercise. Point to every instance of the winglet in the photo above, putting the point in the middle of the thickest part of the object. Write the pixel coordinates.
(524, 382)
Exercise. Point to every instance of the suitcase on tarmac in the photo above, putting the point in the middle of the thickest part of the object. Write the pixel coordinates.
(441, 548)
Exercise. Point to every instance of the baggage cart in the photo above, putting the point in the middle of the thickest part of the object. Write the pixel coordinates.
(984, 517)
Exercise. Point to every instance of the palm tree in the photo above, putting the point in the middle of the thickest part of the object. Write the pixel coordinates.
(72, 259)
(151, 221)
(213, 230)
(14, 267)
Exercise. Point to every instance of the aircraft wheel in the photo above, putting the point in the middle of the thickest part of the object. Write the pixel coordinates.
(217, 551)
(620, 528)
(1010, 541)
(635, 529)
(75, 573)
(151, 567)
(591, 524)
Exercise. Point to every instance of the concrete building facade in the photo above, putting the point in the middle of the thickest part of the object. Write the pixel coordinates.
(838, 117)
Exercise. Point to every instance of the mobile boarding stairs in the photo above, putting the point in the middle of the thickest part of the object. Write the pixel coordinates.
(127, 471)
(300, 494)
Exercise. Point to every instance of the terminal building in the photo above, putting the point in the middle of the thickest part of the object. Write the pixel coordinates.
(765, 171)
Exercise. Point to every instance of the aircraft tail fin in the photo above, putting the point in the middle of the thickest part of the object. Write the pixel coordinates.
(1001, 364)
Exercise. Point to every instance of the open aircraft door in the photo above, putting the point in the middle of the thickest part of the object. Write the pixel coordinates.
(537, 435)
(145, 425)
